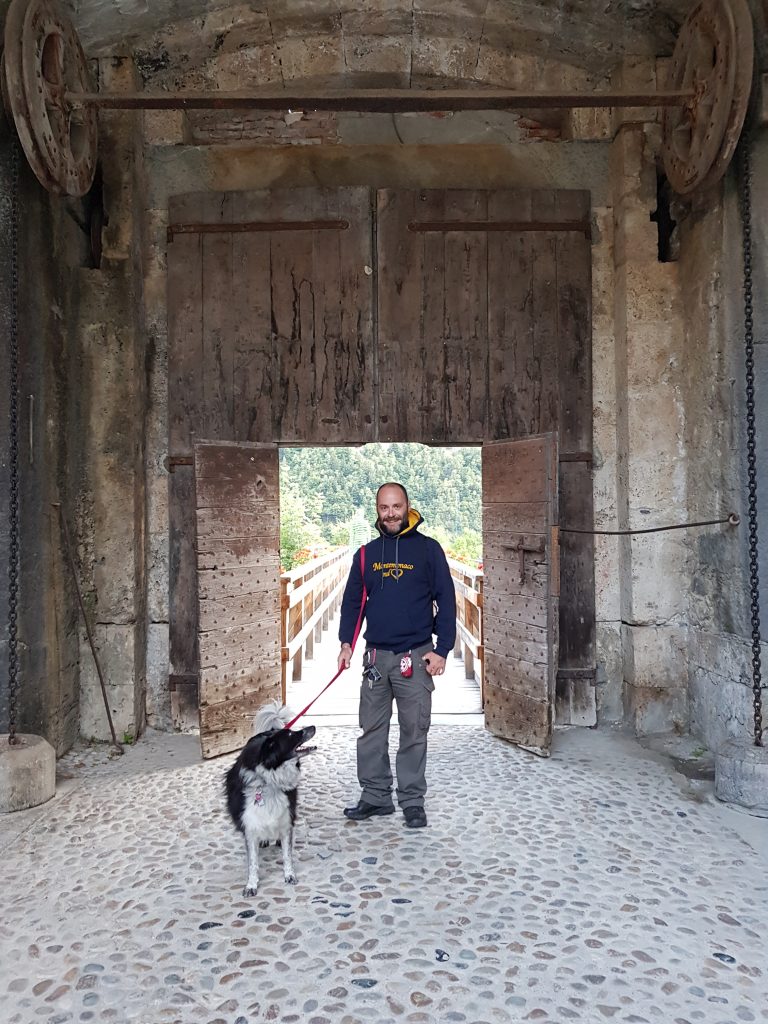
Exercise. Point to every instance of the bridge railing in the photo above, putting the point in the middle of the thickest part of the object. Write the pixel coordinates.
(468, 582)
(310, 595)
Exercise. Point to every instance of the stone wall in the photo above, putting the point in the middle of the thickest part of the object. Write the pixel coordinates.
(651, 468)
(114, 354)
(667, 425)
(719, 651)
(52, 413)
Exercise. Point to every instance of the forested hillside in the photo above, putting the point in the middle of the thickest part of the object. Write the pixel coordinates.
(324, 490)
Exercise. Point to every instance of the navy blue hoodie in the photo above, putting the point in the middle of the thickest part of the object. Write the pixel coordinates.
(404, 574)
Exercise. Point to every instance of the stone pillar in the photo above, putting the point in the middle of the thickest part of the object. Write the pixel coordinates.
(50, 248)
(651, 456)
(112, 522)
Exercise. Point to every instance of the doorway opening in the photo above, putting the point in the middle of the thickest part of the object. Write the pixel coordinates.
(327, 511)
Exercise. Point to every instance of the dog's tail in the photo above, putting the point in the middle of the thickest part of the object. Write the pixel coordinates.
(271, 716)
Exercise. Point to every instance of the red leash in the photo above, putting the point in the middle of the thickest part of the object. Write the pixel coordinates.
(354, 641)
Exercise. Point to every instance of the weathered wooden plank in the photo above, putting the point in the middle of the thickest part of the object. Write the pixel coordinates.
(293, 315)
(254, 359)
(218, 685)
(465, 331)
(504, 577)
(237, 582)
(217, 367)
(514, 377)
(515, 608)
(186, 406)
(511, 517)
(227, 725)
(239, 665)
(519, 672)
(544, 287)
(515, 642)
(241, 524)
(234, 551)
(182, 573)
(355, 375)
(185, 416)
(574, 321)
(221, 494)
(225, 613)
(503, 627)
(515, 673)
(577, 597)
(220, 644)
(514, 479)
(519, 718)
(342, 394)
(400, 263)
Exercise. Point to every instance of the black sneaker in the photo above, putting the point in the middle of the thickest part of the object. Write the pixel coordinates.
(415, 817)
(363, 810)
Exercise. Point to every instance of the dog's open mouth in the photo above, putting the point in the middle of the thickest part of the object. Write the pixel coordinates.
(301, 751)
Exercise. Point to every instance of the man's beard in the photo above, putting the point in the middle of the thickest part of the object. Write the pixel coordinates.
(394, 527)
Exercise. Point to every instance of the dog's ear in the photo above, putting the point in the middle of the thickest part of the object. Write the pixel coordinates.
(272, 754)
(253, 752)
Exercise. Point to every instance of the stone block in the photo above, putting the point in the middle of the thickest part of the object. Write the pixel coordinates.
(634, 74)
(607, 578)
(163, 127)
(368, 53)
(653, 710)
(655, 658)
(115, 647)
(312, 58)
(658, 579)
(741, 777)
(610, 672)
(720, 669)
(158, 696)
(27, 772)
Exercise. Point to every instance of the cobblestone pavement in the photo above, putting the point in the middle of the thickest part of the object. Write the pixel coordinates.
(599, 885)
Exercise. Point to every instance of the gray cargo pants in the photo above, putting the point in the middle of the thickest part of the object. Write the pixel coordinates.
(414, 709)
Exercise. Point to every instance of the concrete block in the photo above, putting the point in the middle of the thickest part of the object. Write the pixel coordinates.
(27, 772)
(741, 777)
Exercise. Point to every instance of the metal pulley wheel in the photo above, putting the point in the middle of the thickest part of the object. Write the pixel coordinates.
(42, 61)
(714, 58)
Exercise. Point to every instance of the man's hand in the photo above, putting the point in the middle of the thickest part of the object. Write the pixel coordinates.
(345, 656)
(434, 663)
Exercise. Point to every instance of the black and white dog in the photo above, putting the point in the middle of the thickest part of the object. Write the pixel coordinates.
(262, 788)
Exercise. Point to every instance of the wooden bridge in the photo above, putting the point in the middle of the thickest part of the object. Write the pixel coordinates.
(311, 596)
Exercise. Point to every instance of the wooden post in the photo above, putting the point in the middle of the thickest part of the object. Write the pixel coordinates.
(309, 607)
(295, 629)
(469, 663)
(284, 585)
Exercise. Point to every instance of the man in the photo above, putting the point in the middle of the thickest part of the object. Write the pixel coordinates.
(405, 574)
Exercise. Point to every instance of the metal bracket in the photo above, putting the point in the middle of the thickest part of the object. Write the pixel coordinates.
(522, 549)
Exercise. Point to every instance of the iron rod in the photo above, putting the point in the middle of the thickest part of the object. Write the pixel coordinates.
(377, 100)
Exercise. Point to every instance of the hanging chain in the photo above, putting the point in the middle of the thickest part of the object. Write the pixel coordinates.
(13, 500)
(745, 203)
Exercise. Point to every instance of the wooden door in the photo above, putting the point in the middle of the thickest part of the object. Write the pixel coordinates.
(484, 333)
(521, 589)
(237, 513)
(270, 339)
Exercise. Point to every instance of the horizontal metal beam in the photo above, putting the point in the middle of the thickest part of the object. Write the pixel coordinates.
(377, 100)
(244, 227)
(580, 226)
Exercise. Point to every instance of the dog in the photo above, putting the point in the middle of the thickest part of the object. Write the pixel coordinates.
(262, 788)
